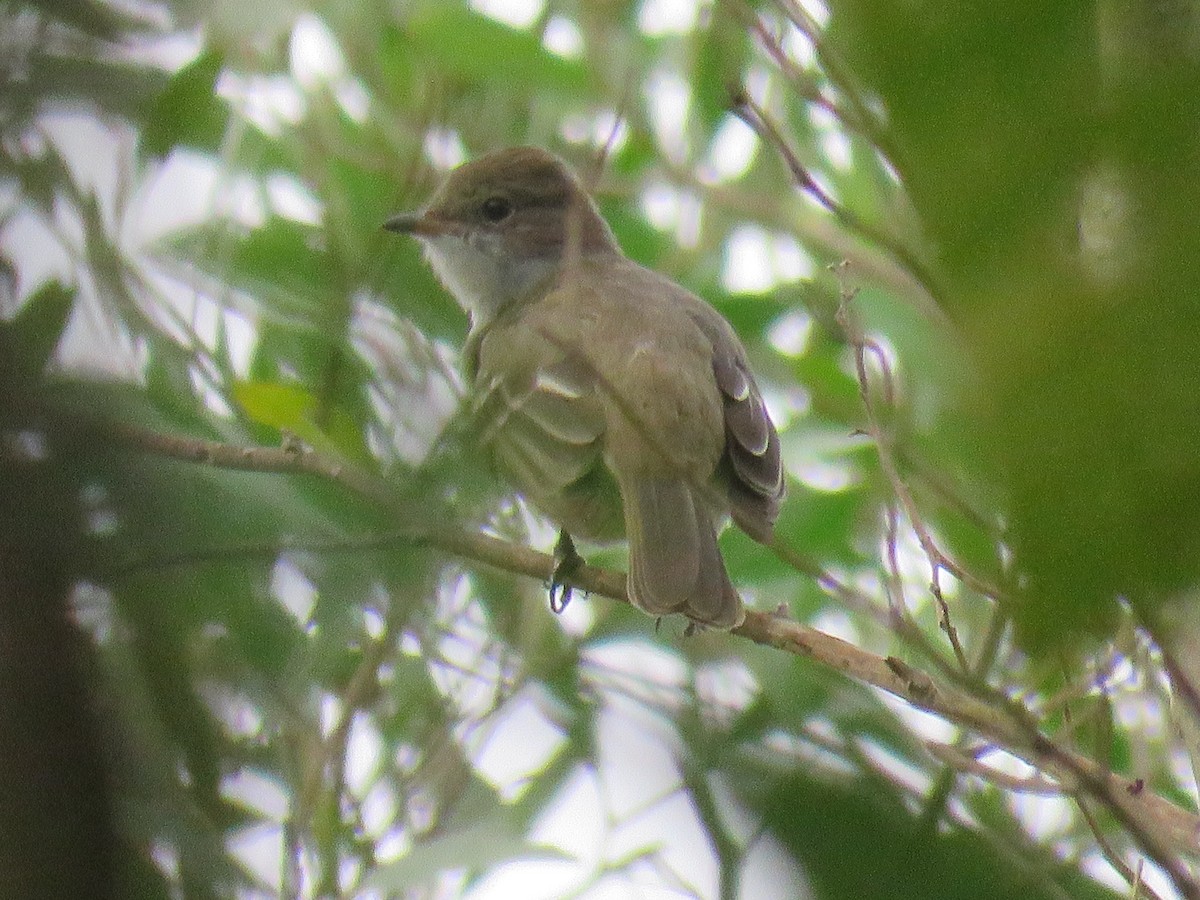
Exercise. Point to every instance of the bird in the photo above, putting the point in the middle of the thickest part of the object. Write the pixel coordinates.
(618, 403)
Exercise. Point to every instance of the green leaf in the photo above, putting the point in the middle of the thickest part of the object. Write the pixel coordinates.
(473, 48)
(118, 87)
(283, 266)
(398, 74)
(42, 176)
(852, 844)
(277, 406)
(359, 201)
(637, 238)
(412, 290)
(821, 521)
(722, 57)
(293, 408)
(835, 393)
(27, 342)
(188, 111)
(488, 840)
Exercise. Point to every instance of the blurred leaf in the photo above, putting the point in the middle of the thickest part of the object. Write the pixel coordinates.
(188, 111)
(724, 49)
(88, 16)
(992, 108)
(814, 522)
(28, 341)
(283, 265)
(749, 314)
(412, 290)
(119, 87)
(41, 174)
(854, 846)
(468, 46)
(359, 196)
(288, 407)
(158, 804)
(397, 69)
(486, 842)
(158, 644)
(638, 239)
(1022, 138)
(277, 406)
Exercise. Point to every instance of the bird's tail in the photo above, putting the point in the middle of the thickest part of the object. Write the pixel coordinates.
(675, 564)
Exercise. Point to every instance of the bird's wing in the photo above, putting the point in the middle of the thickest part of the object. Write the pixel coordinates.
(756, 487)
(545, 429)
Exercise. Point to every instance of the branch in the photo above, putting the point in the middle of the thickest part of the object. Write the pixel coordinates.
(1083, 774)
(291, 457)
(1162, 829)
(968, 764)
(1133, 877)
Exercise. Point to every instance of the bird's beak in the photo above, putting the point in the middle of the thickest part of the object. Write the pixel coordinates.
(419, 224)
(404, 223)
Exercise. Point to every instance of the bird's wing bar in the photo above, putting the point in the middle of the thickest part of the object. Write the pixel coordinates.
(751, 446)
(545, 432)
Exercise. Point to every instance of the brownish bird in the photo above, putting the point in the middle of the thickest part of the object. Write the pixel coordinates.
(618, 403)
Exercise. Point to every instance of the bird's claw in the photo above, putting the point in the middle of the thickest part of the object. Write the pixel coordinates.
(567, 562)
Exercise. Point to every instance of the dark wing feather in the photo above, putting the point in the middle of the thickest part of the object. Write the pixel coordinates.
(675, 564)
(752, 451)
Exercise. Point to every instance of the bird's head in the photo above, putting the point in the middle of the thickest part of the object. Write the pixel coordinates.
(499, 226)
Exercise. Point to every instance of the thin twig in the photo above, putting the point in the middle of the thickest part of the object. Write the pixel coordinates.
(893, 583)
(833, 68)
(804, 84)
(754, 116)
(1180, 682)
(968, 764)
(857, 601)
(989, 648)
(1133, 877)
(862, 345)
(937, 560)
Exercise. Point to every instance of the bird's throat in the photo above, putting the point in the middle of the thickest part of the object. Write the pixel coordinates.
(485, 279)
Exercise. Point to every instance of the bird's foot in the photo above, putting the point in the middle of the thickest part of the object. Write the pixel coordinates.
(567, 562)
(691, 628)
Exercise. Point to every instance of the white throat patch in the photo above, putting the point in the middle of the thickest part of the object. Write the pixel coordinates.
(482, 278)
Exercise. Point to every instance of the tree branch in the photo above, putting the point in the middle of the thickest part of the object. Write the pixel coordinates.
(1163, 830)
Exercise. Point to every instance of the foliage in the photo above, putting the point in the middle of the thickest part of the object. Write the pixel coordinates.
(968, 294)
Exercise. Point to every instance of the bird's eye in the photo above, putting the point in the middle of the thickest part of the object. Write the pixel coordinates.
(496, 209)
